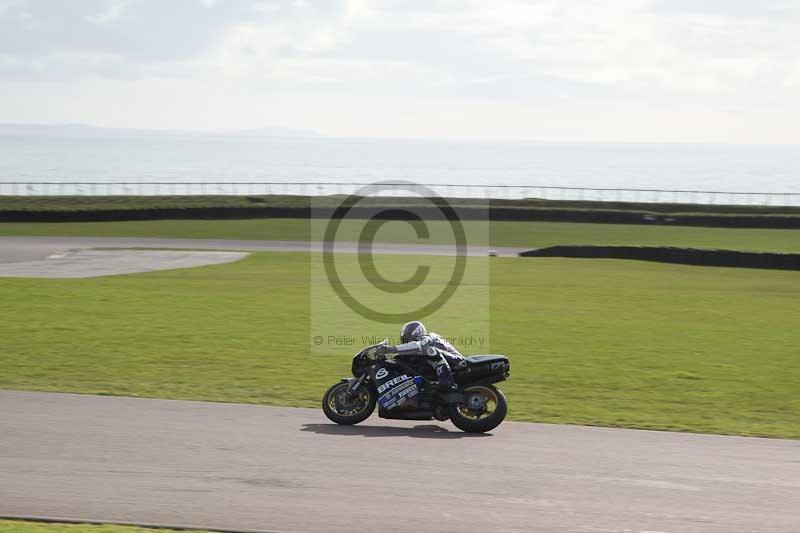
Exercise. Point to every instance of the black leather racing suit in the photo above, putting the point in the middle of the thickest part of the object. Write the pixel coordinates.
(440, 354)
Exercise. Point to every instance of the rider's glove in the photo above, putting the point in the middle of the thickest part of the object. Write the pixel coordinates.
(384, 349)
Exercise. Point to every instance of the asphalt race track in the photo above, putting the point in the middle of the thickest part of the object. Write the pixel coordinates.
(247, 467)
(14, 249)
(84, 263)
(77, 257)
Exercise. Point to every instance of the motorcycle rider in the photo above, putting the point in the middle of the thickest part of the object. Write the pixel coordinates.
(416, 341)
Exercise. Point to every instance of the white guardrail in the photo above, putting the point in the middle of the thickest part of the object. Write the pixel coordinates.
(597, 194)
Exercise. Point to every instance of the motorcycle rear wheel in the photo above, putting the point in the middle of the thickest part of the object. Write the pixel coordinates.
(484, 410)
(348, 410)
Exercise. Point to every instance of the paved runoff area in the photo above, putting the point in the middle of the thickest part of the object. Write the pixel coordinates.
(256, 468)
(94, 263)
(79, 257)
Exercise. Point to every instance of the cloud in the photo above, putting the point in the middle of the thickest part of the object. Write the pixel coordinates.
(134, 30)
(111, 12)
(502, 56)
(728, 8)
(630, 45)
(626, 44)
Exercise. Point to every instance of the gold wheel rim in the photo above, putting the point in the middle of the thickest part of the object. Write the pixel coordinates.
(360, 404)
(490, 402)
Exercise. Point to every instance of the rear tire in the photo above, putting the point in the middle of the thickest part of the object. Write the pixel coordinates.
(474, 421)
(348, 411)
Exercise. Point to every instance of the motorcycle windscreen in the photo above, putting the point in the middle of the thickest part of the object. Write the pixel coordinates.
(398, 390)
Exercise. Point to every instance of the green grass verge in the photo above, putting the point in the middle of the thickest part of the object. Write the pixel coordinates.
(19, 526)
(519, 234)
(614, 343)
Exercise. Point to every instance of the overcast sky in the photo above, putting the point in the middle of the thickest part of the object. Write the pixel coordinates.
(615, 70)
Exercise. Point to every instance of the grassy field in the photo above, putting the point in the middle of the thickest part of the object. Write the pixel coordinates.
(17, 526)
(518, 234)
(609, 342)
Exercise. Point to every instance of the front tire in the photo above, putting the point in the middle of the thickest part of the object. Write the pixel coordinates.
(341, 408)
(484, 409)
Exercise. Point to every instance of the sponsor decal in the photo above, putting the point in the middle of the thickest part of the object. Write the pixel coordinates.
(398, 395)
(381, 373)
(392, 382)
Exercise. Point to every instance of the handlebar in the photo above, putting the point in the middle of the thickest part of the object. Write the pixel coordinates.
(366, 349)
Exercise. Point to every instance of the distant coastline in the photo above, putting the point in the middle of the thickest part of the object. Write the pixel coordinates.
(86, 131)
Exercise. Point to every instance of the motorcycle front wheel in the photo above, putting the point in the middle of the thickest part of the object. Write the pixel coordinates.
(483, 409)
(346, 408)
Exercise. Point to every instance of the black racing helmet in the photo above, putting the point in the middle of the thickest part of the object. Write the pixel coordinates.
(412, 331)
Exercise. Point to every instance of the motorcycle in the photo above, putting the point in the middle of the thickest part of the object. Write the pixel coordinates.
(401, 388)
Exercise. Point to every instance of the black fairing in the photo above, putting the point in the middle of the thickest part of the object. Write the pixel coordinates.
(360, 366)
(484, 369)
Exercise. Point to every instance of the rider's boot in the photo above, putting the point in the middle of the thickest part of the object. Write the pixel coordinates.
(445, 383)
